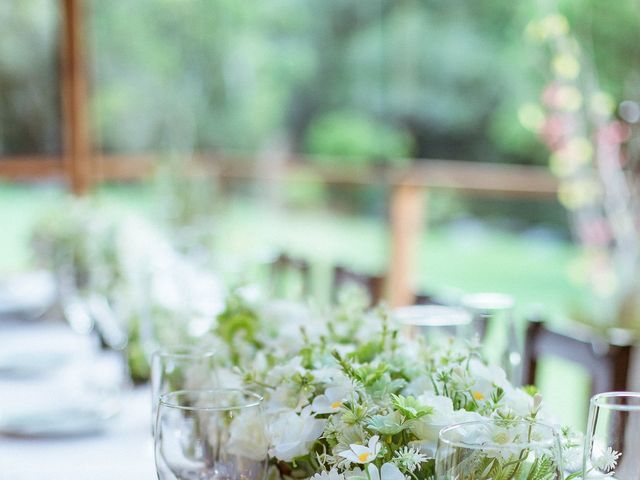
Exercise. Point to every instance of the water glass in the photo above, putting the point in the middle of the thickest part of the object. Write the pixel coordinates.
(435, 322)
(504, 449)
(180, 368)
(211, 434)
(494, 323)
(612, 442)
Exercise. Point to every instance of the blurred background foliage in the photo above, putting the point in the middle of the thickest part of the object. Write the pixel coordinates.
(331, 82)
(426, 79)
(29, 87)
(370, 81)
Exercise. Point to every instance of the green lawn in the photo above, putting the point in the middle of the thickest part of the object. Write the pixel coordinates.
(450, 260)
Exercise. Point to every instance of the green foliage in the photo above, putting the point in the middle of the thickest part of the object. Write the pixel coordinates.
(543, 468)
(366, 352)
(390, 424)
(139, 368)
(237, 320)
(353, 138)
(367, 80)
(410, 407)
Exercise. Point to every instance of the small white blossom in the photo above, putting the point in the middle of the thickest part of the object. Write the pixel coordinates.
(607, 460)
(331, 401)
(360, 453)
(409, 459)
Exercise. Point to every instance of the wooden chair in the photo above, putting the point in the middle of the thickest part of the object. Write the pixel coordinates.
(372, 284)
(423, 298)
(606, 358)
(285, 269)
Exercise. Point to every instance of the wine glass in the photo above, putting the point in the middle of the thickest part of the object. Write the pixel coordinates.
(180, 367)
(494, 322)
(612, 445)
(211, 434)
(498, 448)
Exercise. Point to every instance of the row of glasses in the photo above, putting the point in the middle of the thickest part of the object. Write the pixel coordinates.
(488, 316)
(221, 434)
(216, 433)
(531, 450)
(202, 431)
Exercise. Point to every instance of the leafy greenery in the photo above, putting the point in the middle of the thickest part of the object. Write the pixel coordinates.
(356, 138)
(238, 320)
(448, 76)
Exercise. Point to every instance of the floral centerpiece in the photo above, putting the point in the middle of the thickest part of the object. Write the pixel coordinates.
(138, 291)
(356, 399)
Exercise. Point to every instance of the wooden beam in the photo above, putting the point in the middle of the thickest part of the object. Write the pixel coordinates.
(122, 167)
(493, 179)
(407, 219)
(30, 167)
(477, 177)
(76, 140)
(480, 179)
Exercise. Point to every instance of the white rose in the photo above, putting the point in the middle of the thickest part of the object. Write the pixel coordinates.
(292, 435)
(247, 437)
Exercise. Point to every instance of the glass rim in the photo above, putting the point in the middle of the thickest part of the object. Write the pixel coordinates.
(183, 351)
(494, 446)
(488, 301)
(601, 400)
(164, 399)
(432, 316)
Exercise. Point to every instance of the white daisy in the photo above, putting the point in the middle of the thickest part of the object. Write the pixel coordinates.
(360, 453)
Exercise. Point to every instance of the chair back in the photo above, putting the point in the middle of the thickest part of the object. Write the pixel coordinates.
(606, 359)
(372, 284)
(290, 273)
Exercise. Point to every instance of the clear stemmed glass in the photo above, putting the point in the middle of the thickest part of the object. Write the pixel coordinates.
(505, 449)
(612, 443)
(211, 434)
(183, 367)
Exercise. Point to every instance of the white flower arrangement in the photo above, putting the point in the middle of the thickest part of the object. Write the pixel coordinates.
(357, 400)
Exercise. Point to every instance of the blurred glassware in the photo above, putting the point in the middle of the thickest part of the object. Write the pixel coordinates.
(73, 302)
(79, 396)
(27, 295)
(180, 367)
(612, 442)
(211, 434)
(434, 322)
(494, 322)
(499, 448)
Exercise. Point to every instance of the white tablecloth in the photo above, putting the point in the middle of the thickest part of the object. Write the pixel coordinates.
(124, 451)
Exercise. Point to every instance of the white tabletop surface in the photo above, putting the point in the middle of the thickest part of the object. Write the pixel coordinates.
(123, 451)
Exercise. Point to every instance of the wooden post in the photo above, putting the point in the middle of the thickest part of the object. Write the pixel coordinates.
(76, 141)
(407, 217)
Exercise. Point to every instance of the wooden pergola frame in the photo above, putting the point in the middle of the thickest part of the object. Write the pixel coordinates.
(80, 166)
(74, 164)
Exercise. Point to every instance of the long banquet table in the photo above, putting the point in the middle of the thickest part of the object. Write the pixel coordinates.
(123, 451)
